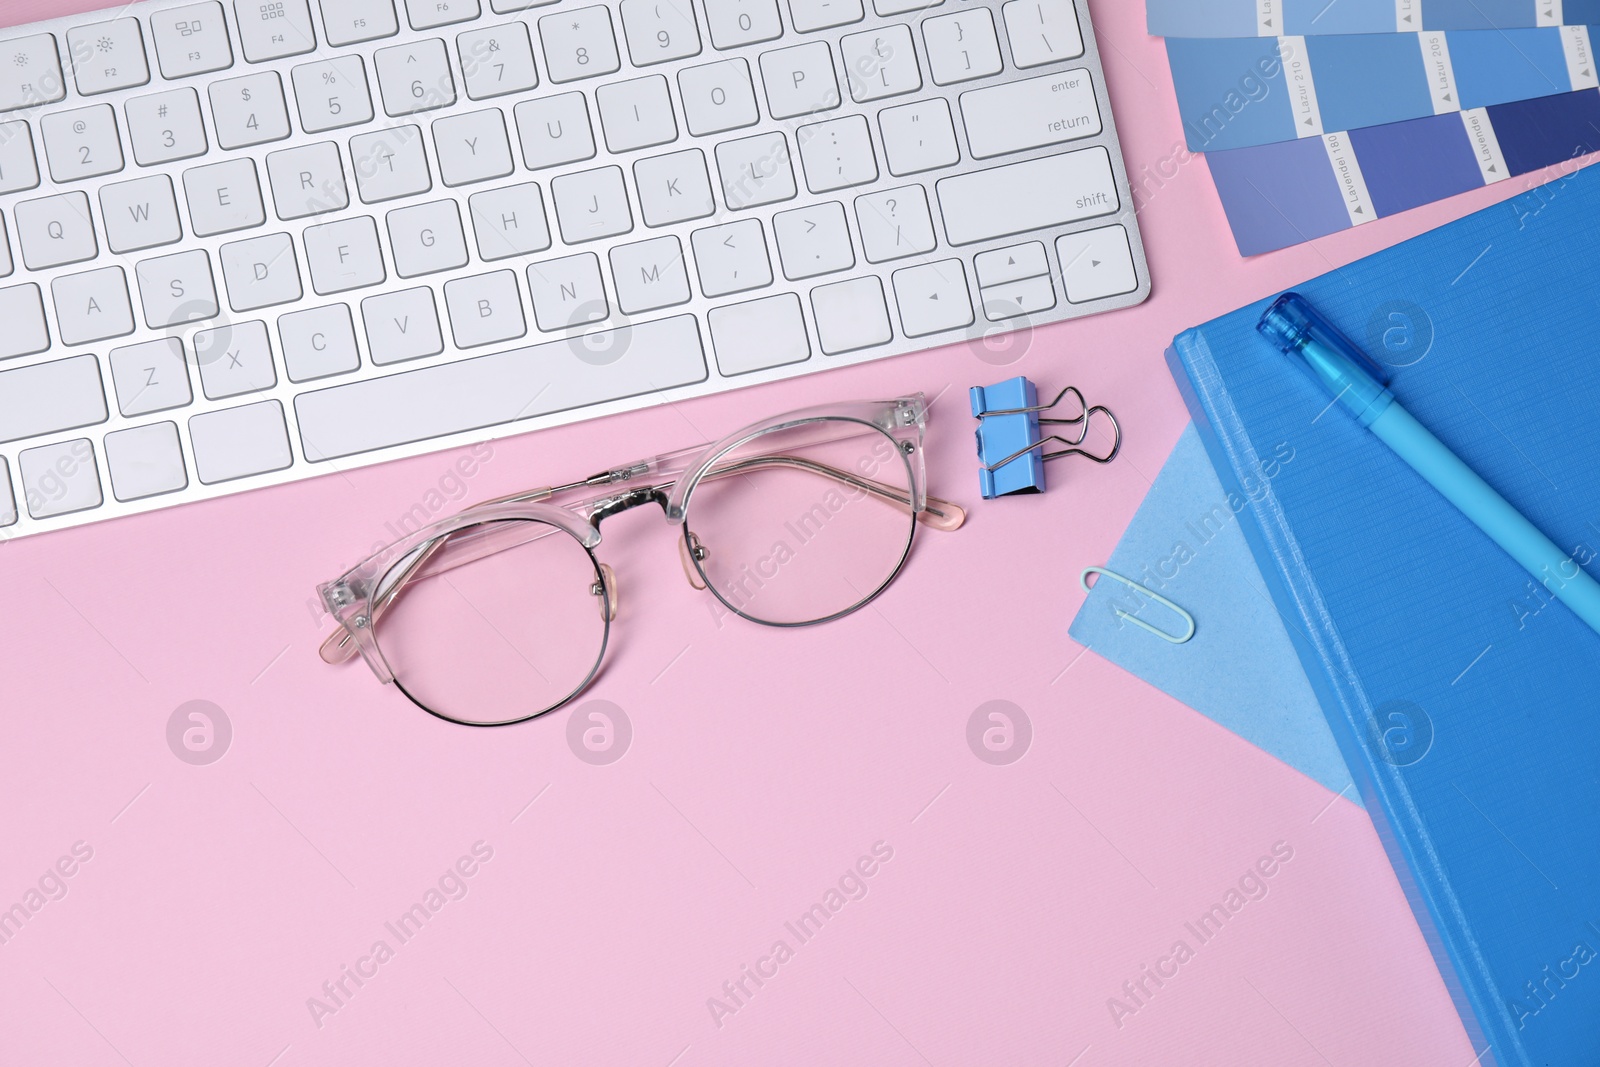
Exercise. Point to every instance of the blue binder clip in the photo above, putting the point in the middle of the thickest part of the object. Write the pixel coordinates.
(1010, 448)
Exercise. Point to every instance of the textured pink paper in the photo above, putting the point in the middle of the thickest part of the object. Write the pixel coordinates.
(762, 767)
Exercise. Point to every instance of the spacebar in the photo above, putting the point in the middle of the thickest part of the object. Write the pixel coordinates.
(473, 394)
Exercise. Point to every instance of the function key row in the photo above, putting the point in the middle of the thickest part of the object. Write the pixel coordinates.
(193, 40)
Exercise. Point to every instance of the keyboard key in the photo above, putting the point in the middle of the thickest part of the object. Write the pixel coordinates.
(836, 154)
(402, 326)
(880, 63)
(82, 143)
(249, 110)
(63, 394)
(344, 255)
(961, 47)
(579, 44)
(659, 30)
(55, 230)
(649, 275)
(308, 180)
(354, 21)
(1024, 296)
(177, 289)
(239, 442)
(485, 309)
(7, 267)
(1030, 113)
(505, 7)
(813, 240)
(933, 297)
(332, 94)
(500, 388)
(33, 76)
(273, 29)
(166, 126)
(22, 310)
(1096, 264)
(755, 170)
(554, 130)
(473, 147)
(92, 306)
(851, 315)
(318, 343)
(567, 292)
(1010, 264)
(509, 222)
(799, 80)
(426, 14)
(390, 164)
(497, 61)
(1042, 31)
(674, 187)
(60, 479)
(235, 359)
(717, 97)
(191, 40)
(8, 502)
(731, 258)
(739, 22)
(150, 377)
(427, 238)
(223, 197)
(1027, 196)
(414, 77)
(591, 204)
(887, 8)
(759, 334)
(145, 461)
(918, 137)
(894, 224)
(107, 56)
(260, 272)
(19, 167)
(808, 15)
(636, 114)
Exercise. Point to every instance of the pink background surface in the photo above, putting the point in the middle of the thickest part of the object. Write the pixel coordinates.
(763, 763)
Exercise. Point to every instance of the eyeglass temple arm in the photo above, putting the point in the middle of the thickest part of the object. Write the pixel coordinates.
(938, 514)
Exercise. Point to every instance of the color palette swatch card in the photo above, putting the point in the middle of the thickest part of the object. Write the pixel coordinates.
(1269, 18)
(1239, 92)
(1282, 194)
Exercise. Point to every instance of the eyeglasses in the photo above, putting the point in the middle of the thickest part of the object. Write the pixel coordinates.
(502, 612)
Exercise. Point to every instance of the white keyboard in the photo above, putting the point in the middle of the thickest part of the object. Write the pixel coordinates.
(254, 241)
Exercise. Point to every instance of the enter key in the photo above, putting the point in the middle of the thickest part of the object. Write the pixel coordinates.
(1030, 113)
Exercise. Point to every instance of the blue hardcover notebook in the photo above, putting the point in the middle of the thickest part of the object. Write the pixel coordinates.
(1465, 699)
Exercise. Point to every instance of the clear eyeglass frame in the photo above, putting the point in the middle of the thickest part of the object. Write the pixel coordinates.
(360, 598)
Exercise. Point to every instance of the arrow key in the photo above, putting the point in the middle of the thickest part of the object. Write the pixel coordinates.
(933, 297)
(1096, 264)
(1021, 297)
(1010, 264)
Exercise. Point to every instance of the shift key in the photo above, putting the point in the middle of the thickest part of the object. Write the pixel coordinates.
(1034, 195)
(1032, 113)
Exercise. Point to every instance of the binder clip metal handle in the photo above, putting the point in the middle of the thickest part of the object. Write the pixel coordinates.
(1012, 444)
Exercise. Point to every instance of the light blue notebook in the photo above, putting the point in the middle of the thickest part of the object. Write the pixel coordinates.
(1239, 670)
(1465, 699)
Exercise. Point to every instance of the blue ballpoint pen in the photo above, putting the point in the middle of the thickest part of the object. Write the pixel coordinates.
(1357, 384)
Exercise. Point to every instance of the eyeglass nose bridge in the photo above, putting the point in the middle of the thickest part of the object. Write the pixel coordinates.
(627, 501)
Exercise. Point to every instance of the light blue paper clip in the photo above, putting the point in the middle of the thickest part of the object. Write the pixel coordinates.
(1083, 579)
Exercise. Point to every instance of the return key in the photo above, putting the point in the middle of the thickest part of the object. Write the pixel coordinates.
(1030, 113)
